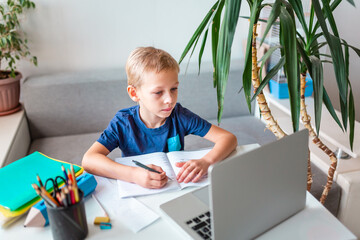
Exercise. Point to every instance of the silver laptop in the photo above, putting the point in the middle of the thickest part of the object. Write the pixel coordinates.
(248, 193)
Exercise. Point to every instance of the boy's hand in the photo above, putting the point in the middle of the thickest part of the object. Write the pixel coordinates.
(149, 179)
(192, 170)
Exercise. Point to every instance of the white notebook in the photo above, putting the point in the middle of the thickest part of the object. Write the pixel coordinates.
(167, 162)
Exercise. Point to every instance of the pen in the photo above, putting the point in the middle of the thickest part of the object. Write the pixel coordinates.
(145, 167)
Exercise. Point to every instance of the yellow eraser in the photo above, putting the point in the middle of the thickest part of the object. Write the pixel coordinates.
(99, 220)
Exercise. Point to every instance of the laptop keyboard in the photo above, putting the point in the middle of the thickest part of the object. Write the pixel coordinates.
(201, 225)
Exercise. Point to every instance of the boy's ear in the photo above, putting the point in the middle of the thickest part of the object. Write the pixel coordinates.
(132, 93)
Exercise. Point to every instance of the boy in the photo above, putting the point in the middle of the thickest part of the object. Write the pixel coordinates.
(157, 124)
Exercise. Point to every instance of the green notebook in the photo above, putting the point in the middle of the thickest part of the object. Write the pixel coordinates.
(17, 177)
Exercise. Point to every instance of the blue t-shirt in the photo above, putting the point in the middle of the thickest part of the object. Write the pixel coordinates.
(130, 134)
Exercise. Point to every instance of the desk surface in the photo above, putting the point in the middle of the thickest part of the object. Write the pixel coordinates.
(314, 222)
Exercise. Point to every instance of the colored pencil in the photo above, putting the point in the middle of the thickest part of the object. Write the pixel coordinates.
(75, 187)
(71, 193)
(63, 169)
(72, 172)
(39, 180)
(69, 175)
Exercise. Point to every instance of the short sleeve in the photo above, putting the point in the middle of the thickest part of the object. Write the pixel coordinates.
(192, 123)
(110, 137)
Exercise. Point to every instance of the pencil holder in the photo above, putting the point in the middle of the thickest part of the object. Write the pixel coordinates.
(68, 222)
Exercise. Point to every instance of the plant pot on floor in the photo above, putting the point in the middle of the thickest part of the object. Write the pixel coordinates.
(10, 94)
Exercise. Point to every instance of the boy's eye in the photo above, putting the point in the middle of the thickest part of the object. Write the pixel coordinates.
(159, 92)
(174, 89)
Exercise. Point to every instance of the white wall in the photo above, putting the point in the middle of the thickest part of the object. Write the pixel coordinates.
(69, 35)
(92, 34)
(348, 19)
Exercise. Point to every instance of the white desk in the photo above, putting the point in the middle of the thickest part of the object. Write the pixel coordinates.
(314, 222)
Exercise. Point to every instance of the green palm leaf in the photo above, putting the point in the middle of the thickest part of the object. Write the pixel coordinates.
(288, 41)
(335, 50)
(356, 50)
(202, 48)
(336, 53)
(215, 37)
(318, 82)
(330, 108)
(328, 12)
(227, 32)
(313, 40)
(351, 99)
(248, 66)
(298, 9)
(351, 119)
(333, 6)
(351, 2)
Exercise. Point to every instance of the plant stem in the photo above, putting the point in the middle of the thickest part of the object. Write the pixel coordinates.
(306, 120)
(271, 124)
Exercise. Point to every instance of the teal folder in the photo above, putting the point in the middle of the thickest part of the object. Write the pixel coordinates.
(17, 177)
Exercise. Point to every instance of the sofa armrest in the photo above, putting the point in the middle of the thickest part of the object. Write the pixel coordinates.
(14, 137)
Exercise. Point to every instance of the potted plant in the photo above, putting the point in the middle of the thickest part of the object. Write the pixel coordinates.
(299, 54)
(13, 47)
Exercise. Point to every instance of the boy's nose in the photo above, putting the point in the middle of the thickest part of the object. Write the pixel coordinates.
(169, 98)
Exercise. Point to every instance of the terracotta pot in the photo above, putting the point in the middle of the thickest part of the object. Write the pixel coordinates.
(10, 94)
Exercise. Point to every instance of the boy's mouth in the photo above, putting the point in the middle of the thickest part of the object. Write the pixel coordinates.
(167, 109)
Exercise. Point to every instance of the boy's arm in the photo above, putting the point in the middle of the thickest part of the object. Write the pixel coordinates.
(95, 161)
(225, 143)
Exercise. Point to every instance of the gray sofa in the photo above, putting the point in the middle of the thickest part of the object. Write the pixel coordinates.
(67, 112)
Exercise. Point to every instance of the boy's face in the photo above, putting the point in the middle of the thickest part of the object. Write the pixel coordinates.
(157, 96)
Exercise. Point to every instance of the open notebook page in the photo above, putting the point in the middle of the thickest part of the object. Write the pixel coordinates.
(127, 189)
(183, 156)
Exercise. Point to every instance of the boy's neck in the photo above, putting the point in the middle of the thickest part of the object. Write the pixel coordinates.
(151, 122)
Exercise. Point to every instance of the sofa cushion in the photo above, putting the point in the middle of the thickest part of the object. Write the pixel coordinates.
(68, 148)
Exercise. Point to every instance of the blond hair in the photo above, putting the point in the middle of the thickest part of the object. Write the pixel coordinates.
(144, 59)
